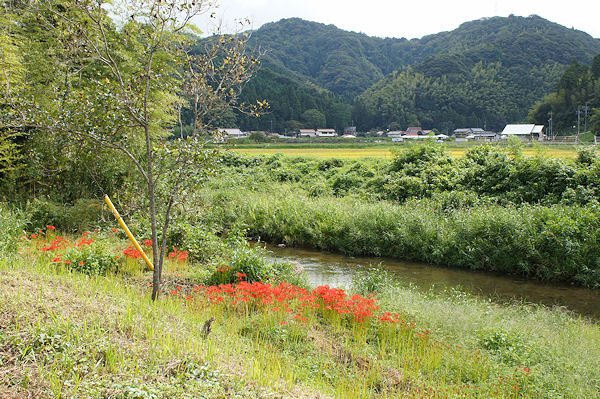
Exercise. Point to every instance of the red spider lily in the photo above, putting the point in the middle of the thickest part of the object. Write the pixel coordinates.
(115, 230)
(148, 242)
(180, 256)
(84, 241)
(240, 276)
(58, 243)
(526, 370)
(51, 228)
(131, 252)
(288, 298)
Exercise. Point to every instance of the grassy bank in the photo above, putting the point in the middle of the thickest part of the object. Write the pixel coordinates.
(66, 334)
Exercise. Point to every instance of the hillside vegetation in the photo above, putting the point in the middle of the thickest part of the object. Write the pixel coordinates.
(486, 72)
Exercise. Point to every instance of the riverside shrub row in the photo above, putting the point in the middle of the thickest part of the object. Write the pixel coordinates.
(421, 171)
(552, 243)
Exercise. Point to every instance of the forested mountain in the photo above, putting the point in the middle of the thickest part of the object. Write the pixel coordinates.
(577, 94)
(490, 71)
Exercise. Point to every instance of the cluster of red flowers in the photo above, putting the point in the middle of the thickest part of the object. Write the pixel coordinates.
(58, 259)
(288, 298)
(84, 241)
(58, 243)
(180, 256)
(131, 252)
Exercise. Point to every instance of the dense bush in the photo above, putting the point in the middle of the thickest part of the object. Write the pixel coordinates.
(83, 215)
(91, 259)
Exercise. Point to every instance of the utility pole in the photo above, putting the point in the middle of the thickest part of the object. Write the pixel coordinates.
(585, 109)
(578, 121)
(550, 125)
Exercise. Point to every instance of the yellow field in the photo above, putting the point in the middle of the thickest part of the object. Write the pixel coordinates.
(384, 152)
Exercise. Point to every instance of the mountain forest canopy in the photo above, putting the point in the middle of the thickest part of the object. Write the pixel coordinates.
(486, 73)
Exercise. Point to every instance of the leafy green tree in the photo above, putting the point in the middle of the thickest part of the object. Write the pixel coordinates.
(314, 118)
(119, 84)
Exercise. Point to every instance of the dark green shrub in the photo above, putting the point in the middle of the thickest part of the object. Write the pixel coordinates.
(84, 215)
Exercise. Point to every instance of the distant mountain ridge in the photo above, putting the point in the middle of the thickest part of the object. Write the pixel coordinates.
(523, 56)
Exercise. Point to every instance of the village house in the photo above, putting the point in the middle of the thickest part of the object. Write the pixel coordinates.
(233, 133)
(395, 133)
(307, 133)
(525, 132)
(413, 131)
(326, 133)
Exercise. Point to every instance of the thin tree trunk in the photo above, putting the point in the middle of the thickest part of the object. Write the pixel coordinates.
(156, 275)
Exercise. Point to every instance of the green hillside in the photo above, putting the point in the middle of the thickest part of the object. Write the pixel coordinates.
(490, 71)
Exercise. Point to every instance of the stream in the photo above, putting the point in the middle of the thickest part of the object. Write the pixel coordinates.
(336, 270)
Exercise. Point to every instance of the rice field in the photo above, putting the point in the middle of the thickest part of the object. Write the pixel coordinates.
(385, 151)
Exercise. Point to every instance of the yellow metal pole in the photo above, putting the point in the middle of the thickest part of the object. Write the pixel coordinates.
(124, 226)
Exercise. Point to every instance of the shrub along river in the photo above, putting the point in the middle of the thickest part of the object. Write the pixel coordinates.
(336, 270)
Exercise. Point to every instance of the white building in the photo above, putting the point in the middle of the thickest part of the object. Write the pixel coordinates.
(233, 133)
(307, 133)
(525, 132)
(326, 133)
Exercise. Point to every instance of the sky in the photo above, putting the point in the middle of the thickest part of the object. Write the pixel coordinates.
(407, 18)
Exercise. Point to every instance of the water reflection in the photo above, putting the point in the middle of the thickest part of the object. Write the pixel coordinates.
(336, 270)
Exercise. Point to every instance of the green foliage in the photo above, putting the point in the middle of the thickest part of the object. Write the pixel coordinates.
(93, 259)
(84, 215)
(12, 225)
(314, 118)
(531, 216)
(578, 87)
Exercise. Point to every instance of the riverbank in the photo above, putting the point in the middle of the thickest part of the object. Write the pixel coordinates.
(69, 334)
(555, 243)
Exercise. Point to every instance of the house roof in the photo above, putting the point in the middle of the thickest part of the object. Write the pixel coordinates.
(522, 129)
(307, 131)
(463, 130)
(326, 130)
(413, 130)
(231, 132)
